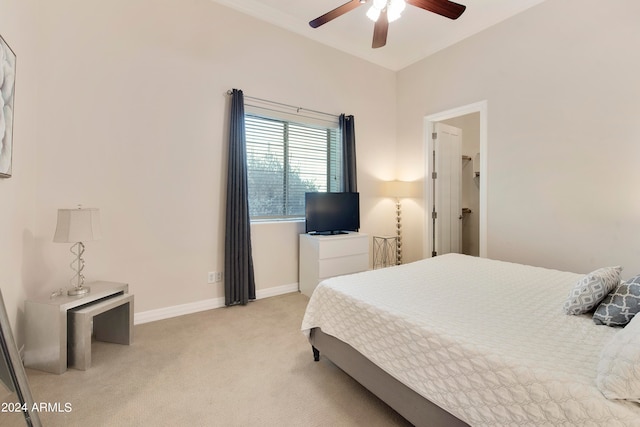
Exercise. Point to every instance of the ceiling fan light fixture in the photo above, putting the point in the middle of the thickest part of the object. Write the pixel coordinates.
(392, 16)
(373, 13)
(380, 4)
(395, 9)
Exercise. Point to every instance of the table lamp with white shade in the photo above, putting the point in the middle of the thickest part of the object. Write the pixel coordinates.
(77, 226)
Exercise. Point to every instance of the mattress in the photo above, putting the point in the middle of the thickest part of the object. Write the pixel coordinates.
(485, 340)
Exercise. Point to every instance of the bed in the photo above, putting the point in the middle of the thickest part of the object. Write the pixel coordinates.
(460, 340)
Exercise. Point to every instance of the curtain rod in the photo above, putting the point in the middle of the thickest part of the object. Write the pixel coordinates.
(298, 109)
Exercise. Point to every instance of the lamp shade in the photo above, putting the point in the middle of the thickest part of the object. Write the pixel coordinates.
(399, 189)
(77, 225)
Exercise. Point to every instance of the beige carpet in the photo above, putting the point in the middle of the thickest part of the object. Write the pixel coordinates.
(238, 366)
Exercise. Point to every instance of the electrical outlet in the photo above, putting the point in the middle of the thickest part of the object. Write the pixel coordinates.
(214, 277)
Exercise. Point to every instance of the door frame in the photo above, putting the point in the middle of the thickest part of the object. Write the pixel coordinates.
(429, 125)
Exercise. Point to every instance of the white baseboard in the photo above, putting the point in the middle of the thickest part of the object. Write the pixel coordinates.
(177, 310)
(276, 290)
(208, 304)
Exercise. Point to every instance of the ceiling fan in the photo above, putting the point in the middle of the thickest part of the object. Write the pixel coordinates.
(384, 11)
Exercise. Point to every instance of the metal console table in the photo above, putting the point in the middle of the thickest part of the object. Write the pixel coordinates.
(46, 338)
(384, 251)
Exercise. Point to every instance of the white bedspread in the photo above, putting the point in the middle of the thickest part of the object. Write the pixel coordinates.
(485, 340)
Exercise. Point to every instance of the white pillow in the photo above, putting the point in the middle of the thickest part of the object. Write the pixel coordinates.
(591, 289)
(619, 367)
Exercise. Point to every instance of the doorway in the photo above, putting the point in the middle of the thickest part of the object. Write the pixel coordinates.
(467, 161)
(457, 218)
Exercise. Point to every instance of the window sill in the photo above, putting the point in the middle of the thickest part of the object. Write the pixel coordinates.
(275, 221)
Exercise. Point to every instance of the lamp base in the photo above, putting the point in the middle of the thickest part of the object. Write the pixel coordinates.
(80, 290)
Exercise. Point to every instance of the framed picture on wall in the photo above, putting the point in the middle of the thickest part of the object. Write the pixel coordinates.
(7, 87)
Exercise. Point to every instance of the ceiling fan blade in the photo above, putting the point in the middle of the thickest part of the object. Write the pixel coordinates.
(380, 30)
(333, 14)
(445, 8)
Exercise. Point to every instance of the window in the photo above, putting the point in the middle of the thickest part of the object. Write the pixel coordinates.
(286, 159)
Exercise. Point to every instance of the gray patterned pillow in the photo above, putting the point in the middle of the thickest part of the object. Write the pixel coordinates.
(619, 307)
(592, 289)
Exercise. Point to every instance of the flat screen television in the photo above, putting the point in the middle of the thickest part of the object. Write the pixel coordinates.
(331, 213)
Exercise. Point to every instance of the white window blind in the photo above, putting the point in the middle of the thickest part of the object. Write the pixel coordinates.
(285, 159)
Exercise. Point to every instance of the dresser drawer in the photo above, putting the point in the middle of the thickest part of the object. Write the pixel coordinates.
(344, 265)
(338, 246)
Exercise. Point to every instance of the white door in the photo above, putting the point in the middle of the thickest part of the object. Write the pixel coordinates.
(448, 189)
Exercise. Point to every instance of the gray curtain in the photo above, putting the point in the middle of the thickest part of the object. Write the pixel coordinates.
(349, 180)
(239, 283)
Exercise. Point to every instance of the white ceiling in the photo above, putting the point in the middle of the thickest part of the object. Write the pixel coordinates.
(416, 35)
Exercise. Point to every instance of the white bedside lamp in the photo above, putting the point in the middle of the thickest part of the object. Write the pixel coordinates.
(77, 226)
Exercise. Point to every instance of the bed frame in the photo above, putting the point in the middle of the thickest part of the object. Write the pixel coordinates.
(412, 406)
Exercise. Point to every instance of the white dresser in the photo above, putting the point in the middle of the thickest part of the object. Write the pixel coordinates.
(322, 257)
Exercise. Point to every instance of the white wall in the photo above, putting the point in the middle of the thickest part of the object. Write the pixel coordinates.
(18, 26)
(133, 119)
(561, 81)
